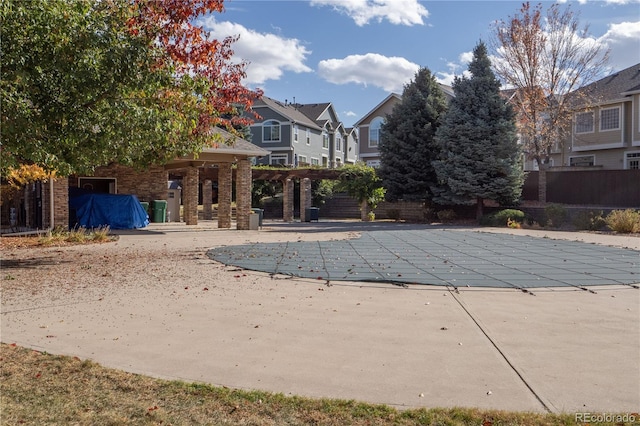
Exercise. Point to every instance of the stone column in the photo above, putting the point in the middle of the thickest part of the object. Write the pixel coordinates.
(225, 180)
(287, 200)
(305, 198)
(190, 196)
(207, 196)
(243, 194)
(60, 202)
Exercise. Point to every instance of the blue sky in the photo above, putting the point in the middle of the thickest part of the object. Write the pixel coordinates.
(353, 53)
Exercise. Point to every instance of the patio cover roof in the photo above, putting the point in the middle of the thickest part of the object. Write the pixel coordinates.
(229, 150)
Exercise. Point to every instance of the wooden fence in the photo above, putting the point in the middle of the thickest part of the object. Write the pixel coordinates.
(610, 188)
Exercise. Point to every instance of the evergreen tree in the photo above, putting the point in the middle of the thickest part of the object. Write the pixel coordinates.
(478, 144)
(407, 139)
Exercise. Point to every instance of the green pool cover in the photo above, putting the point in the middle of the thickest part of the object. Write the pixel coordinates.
(443, 257)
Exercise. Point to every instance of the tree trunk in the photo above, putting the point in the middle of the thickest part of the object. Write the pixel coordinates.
(479, 208)
(364, 211)
(542, 183)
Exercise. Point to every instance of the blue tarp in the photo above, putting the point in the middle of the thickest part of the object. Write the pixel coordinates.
(114, 210)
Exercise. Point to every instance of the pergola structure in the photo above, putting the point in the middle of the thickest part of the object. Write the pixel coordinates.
(223, 156)
(287, 176)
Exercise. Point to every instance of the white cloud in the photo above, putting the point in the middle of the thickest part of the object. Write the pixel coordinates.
(623, 40)
(464, 59)
(388, 73)
(269, 55)
(622, 1)
(350, 114)
(397, 12)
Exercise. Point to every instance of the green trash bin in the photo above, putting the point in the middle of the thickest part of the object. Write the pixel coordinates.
(159, 210)
(145, 206)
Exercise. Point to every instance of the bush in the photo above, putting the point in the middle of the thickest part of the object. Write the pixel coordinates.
(60, 236)
(555, 215)
(446, 215)
(589, 220)
(624, 221)
(503, 218)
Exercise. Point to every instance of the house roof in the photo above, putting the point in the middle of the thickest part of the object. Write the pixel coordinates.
(235, 145)
(384, 101)
(615, 86)
(231, 149)
(293, 112)
(313, 111)
(447, 90)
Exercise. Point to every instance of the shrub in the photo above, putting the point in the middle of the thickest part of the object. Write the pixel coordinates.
(513, 224)
(429, 214)
(589, 220)
(555, 215)
(503, 218)
(60, 236)
(624, 221)
(446, 215)
(100, 234)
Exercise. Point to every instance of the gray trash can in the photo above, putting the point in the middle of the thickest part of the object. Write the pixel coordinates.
(312, 213)
(260, 213)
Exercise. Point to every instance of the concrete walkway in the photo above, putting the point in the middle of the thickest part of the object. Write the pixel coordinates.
(180, 314)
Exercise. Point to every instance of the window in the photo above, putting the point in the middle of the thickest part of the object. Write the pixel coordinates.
(610, 119)
(295, 133)
(271, 131)
(315, 162)
(308, 136)
(584, 122)
(582, 161)
(302, 160)
(373, 163)
(325, 140)
(280, 159)
(338, 143)
(632, 159)
(325, 161)
(374, 131)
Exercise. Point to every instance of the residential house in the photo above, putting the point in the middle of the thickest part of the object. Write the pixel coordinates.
(302, 134)
(351, 146)
(606, 134)
(370, 125)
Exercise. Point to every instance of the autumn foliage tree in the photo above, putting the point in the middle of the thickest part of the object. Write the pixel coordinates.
(194, 56)
(544, 58)
(88, 82)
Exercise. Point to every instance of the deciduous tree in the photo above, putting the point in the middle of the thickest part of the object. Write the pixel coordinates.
(88, 82)
(479, 155)
(544, 58)
(406, 141)
(362, 183)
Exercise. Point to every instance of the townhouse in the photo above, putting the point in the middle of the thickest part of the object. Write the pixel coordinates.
(606, 132)
(302, 134)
